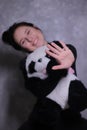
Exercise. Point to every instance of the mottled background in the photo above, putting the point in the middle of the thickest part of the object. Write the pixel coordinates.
(64, 20)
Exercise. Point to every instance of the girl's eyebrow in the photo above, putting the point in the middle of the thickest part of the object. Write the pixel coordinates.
(26, 30)
(25, 33)
(21, 41)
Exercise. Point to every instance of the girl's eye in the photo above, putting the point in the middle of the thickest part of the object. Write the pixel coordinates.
(23, 42)
(40, 60)
(28, 32)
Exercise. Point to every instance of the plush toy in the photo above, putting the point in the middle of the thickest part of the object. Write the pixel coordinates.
(68, 90)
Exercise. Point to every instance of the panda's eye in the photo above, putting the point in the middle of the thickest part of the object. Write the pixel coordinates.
(40, 60)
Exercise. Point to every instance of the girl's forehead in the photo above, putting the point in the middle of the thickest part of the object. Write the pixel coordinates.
(20, 32)
(21, 28)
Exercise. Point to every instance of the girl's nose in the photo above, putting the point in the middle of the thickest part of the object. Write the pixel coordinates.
(30, 39)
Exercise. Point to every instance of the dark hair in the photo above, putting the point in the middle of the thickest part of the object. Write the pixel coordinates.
(8, 38)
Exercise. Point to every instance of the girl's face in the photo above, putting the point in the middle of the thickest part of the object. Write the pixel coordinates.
(29, 38)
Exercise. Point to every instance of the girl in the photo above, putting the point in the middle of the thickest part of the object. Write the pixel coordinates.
(27, 37)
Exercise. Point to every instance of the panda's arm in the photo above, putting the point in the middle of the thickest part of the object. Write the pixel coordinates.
(39, 87)
(73, 49)
(77, 96)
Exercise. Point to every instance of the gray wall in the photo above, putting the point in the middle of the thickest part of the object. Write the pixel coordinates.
(64, 20)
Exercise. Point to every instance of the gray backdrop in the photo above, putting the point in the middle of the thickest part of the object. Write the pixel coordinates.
(64, 20)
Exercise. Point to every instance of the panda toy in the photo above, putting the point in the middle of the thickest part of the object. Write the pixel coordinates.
(67, 90)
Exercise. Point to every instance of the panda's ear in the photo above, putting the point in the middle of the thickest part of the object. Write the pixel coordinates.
(31, 67)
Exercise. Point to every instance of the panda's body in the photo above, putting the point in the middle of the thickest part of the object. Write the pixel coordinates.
(60, 93)
(37, 65)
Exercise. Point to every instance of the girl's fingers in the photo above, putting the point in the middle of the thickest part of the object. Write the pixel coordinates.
(64, 45)
(52, 49)
(56, 47)
(52, 54)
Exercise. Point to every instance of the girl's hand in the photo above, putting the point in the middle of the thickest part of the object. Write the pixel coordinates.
(64, 55)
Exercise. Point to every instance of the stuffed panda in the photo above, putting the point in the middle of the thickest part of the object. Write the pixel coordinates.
(68, 91)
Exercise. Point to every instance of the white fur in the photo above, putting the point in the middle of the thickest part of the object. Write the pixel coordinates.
(60, 93)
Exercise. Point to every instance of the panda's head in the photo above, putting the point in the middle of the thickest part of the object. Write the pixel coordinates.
(36, 63)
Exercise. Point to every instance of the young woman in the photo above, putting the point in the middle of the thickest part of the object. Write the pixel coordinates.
(28, 37)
